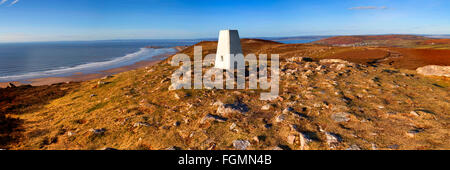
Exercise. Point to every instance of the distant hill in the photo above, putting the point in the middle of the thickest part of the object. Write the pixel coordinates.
(362, 40)
(295, 38)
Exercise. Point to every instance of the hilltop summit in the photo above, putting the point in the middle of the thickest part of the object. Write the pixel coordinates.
(325, 103)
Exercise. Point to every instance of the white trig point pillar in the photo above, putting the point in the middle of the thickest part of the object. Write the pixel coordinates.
(229, 45)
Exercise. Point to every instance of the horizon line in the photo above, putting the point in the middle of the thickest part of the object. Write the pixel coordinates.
(274, 38)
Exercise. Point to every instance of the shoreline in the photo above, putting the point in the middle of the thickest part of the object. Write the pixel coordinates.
(80, 77)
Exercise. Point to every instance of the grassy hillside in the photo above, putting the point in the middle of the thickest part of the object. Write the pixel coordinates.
(322, 105)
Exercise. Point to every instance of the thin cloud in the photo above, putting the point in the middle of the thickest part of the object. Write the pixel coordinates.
(2, 2)
(367, 8)
(14, 2)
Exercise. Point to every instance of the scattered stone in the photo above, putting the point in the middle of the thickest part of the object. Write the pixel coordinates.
(217, 103)
(241, 144)
(176, 96)
(232, 126)
(320, 67)
(317, 105)
(291, 139)
(71, 133)
(177, 123)
(393, 146)
(354, 147)
(139, 124)
(287, 110)
(213, 118)
(280, 118)
(333, 139)
(222, 110)
(340, 117)
(299, 59)
(256, 139)
(374, 146)
(308, 136)
(412, 133)
(164, 80)
(340, 67)
(173, 148)
(414, 113)
(98, 131)
(293, 127)
(226, 109)
(281, 147)
(266, 107)
(424, 112)
(303, 141)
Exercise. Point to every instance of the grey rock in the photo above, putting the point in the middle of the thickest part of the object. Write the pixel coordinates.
(393, 146)
(340, 117)
(98, 131)
(139, 124)
(241, 144)
(333, 139)
(237, 107)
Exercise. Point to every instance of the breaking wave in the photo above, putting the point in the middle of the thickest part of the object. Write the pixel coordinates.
(142, 54)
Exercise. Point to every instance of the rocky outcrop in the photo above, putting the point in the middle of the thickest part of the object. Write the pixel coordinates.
(434, 70)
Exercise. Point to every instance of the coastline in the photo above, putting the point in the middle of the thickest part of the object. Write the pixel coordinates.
(80, 77)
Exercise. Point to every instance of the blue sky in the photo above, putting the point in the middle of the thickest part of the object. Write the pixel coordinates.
(56, 20)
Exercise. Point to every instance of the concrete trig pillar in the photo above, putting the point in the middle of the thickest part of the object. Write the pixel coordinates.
(229, 44)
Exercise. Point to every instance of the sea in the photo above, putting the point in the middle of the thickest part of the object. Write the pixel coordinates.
(24, 61)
